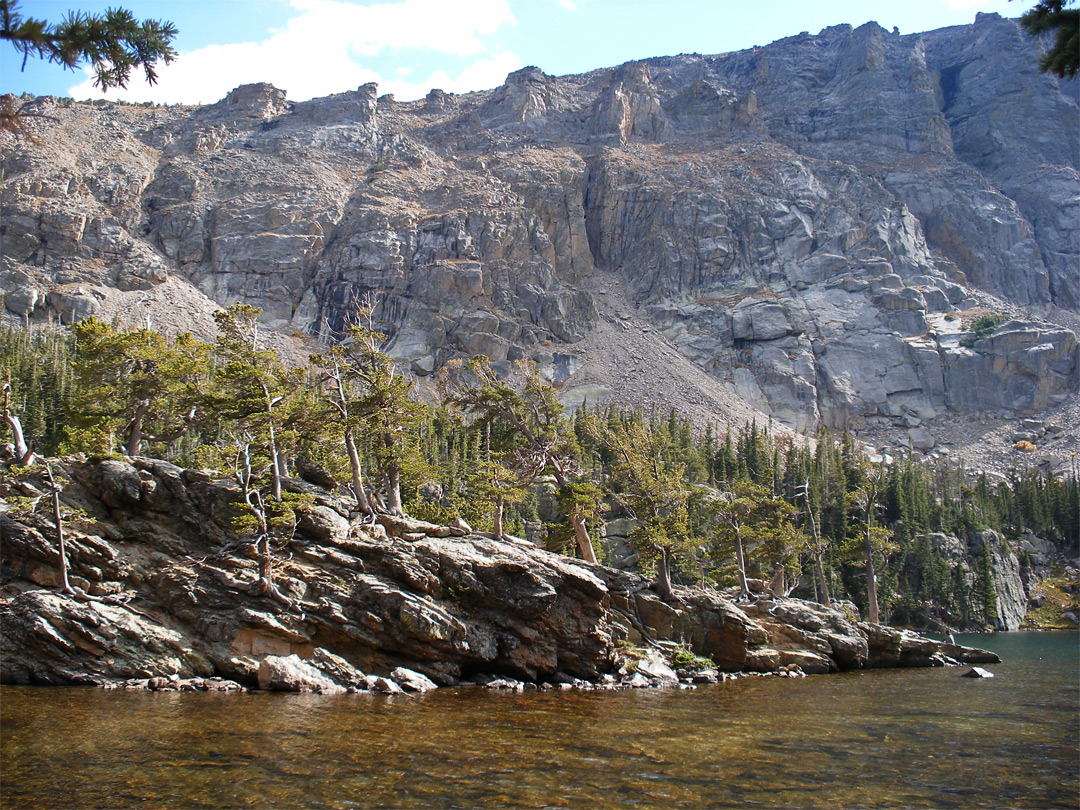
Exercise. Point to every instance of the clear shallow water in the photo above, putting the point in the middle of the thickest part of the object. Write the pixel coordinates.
(899, 738)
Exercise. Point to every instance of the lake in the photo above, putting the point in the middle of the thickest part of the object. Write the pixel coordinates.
(890, 738)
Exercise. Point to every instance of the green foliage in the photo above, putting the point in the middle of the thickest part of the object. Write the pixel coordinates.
(113, 43)
(648, 483)
(754, 528)
(375, 169)
(683, 660)
(507, 437)
(279, 518)
(1062, 58)
(983, 326)
(132, 386)
(381, 402)
(526, 406)
(43, 383)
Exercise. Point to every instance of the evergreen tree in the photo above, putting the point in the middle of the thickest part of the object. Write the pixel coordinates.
(1052, 17)
(733, 514)
(383, 403)
(113, 44)
(871, 540)
(269, 522)
(652, 490)
(134, 384)
(528, 406)
(38, 368)
(250, 391)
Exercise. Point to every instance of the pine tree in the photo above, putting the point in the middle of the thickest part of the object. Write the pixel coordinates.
(871, 540)
(337, 387)
(382, 403)
(250, 392)
(1052, 17)
(651, 487)
(134, 384)
(528, 406)
(113, 44)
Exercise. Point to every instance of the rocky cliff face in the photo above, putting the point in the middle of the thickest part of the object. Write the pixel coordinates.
(164, 591)
(812, 224)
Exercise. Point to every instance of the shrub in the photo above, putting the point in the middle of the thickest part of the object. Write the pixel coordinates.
(983, 326)
(683, 659)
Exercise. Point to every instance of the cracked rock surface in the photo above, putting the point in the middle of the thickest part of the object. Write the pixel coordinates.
(164, 599)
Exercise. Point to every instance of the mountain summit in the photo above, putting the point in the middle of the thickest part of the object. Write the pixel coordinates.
(854, 230)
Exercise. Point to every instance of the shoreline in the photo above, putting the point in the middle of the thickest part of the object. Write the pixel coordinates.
(165, 591)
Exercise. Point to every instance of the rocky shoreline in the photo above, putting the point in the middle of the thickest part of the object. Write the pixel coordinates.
(164, 599)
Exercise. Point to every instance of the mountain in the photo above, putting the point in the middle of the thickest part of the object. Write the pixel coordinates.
(854, 230)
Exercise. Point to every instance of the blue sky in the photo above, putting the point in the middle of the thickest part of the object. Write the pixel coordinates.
(316, 47)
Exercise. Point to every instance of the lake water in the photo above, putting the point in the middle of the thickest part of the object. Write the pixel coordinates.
(897, 738)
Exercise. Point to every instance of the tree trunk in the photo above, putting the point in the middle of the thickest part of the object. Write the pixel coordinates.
(393, 489)
(577, 520)
(357, 474)
(740, 565)
(823, 585)
(275, 473)
(663, 576)
(819, 570)
(58, 522)
(266, 581)
(581, 534)
(871, 579)
(135, 431)
(778, 583)
(23, 454)
(498, 517)
(264, 586)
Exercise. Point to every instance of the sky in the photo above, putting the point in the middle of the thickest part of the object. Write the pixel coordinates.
(312, 48)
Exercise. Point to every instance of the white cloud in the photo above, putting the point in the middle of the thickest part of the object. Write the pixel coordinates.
(325, 47)
(480, 75)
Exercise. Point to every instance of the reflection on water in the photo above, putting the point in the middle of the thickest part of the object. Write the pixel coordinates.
(915, 738)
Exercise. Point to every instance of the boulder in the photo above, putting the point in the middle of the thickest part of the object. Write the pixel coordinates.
(121, 484)
(384, 686)
(293, 674)
(656, 669)
(412, 681)
(315, 473)
(323, 524)
(338, 670)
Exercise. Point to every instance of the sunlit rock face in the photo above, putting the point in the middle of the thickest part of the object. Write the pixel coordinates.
(814, 223)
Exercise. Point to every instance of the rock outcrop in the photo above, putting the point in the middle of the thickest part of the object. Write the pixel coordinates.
(163, 590)
(814, 224)
(1001, 564)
